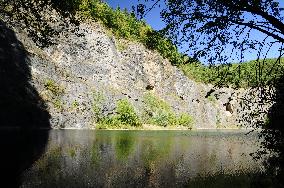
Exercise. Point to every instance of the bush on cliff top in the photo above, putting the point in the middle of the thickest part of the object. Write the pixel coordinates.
(125, 25)
(243, 75)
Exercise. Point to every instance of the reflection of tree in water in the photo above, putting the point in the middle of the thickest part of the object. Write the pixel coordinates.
(155, 150)
(100, 147)
(158, 171)
(95, 154)
(124, 145)
(136, 160)
(153, 160)
(21, 107)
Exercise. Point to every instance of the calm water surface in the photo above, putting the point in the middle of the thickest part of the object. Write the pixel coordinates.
(84, 158)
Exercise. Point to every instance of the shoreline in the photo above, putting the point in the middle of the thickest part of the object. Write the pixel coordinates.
(152, 128)
(166, 129)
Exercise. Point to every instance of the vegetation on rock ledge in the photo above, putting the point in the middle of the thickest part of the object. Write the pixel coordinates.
(125, 25)
(156, 112)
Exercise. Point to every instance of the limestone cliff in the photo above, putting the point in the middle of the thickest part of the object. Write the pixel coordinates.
(91, 61)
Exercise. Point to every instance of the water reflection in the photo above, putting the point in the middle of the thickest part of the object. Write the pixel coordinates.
(143, 159)
(124, 145)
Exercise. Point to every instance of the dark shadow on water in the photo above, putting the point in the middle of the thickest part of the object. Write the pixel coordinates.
(19, 150)
(22, 111)
(273, 137)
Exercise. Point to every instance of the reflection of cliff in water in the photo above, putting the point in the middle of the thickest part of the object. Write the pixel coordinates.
(21, 108)
(142, 158)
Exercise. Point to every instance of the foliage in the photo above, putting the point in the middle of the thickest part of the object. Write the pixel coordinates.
(272, 136)
(212, 98)
(125, 117)
(246, 74)
(158, 112)
(218, 123)
(56, 91)
(58, 104)
(75, 104)
(98, 100)
(199, 72)
(126, 113)
(125, 25)
(253, 73)
(207, 27)
(72, 152)
(34, 16)
(122, 23)
(53, 87)
(112, 123)
(157, 41)
(210, 28)
(185, 120)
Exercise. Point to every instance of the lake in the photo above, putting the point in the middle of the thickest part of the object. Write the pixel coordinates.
(101, 158)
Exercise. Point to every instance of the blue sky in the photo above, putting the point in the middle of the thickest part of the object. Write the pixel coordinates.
(153, 19)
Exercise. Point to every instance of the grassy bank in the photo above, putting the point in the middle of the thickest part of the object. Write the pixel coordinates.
(148, 127)
(155, 111)
(142, 127)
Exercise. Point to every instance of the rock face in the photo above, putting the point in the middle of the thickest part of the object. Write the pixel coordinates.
(89, 62)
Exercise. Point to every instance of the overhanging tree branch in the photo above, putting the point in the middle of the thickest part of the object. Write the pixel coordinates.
(280, 39)
(271, 19)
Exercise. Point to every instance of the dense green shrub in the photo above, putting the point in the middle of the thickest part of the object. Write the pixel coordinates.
(185, 120)
(158, 112)
(126, 113)
(98, 100)
(125, 117)
(156, 41)
(198, 72)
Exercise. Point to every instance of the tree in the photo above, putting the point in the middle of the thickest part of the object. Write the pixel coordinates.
(209, 27)
(34, 16)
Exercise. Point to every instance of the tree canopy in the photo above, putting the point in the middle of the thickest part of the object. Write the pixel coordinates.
(36, 16)
(208, 26)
